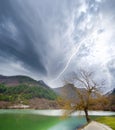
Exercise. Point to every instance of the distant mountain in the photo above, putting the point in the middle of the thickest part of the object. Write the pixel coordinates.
(21, 88)
(69, 91)
(111, 96)
(41, 82)
(19, 79)
(111, 93)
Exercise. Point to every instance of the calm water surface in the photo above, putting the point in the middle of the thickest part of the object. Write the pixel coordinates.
(41, 120)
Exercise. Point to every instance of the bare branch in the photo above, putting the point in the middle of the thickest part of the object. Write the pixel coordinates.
(87, 91)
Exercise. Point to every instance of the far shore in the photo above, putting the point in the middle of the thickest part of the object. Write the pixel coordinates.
(55, 112)
(19, 106)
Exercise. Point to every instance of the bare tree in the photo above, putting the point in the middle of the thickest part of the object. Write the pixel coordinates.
(87, 91)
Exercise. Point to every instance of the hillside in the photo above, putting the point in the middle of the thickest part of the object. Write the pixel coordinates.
(73, 94)
(23, 89)
(69, 91)
(111, 95)
(19, 79)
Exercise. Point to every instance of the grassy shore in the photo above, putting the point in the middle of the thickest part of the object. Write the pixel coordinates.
(108, 120)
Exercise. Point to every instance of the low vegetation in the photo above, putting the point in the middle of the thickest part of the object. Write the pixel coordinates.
(24, 92)
(110, 121)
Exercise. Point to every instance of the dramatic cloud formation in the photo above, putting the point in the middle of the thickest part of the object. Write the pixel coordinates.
(49, 39)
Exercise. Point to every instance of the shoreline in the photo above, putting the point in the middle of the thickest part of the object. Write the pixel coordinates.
(56, 112)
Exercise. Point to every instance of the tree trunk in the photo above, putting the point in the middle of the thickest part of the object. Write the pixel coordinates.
(86, 115)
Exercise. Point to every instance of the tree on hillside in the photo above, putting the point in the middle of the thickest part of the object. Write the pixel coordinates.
(87, 91)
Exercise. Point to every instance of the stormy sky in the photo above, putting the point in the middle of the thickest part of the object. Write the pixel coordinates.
(48, 39)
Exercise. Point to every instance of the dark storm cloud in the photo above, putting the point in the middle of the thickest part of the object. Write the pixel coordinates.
(50, 38)
(31, 30)
(20, 46)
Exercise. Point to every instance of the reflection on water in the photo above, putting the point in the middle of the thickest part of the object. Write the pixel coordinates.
(70, 124)
(43, 119)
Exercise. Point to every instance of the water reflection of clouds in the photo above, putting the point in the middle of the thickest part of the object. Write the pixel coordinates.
(69, 124)
(77, 113)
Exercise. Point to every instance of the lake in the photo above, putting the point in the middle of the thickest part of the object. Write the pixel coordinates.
(42, 119)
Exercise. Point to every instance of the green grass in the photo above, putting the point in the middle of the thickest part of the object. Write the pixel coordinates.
(108, 120)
